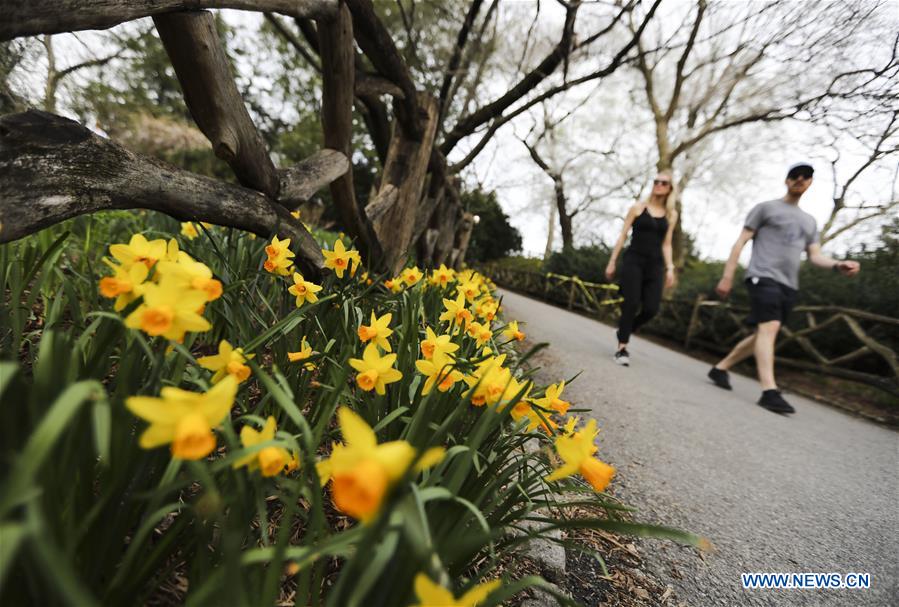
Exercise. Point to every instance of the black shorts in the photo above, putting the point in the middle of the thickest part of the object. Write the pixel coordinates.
(769, 300)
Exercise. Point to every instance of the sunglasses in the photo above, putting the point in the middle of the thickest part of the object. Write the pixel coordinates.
(660, 182)
(803, 173)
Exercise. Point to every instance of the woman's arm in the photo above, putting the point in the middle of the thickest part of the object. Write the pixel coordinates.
(670, 277)
(632, 214)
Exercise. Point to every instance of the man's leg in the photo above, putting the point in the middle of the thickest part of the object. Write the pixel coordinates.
(765, 335)
(740, 352)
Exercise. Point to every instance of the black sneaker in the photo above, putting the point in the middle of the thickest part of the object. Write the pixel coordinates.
(720, 377)
(622, 358)
(773, 401)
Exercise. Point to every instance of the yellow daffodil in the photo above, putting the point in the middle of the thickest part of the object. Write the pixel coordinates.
(190, 274)
(339, 259)
(303, 290)
(432, 595)
(394, 284)
(481, 332)
(552, 401)
(375, 371)
(470, 290)
(410, 276)
(377, 331)
(569, 428)
(438, 370)
(184, 419)
(524, 410)
(125, 285)
(456, 312)
(355, 260)
(280, 257)
(295, 214)
(576, 451)
(304, 353)
(189, 230)
(362, 472)
(488, 381)
(441, 277)
(138, 250)
(486, 308)
(271, 460)
(434, 344)
(229, 361)
(169, 310)
(512, 332)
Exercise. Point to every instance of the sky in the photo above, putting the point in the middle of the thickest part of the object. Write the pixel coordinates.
(748, 165)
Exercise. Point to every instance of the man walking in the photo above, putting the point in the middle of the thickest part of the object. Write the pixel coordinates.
(780, 230)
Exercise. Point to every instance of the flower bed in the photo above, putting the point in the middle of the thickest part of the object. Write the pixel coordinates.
(194, 421)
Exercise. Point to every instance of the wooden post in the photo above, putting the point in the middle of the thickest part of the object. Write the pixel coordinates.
(694, 321)
(571, 293)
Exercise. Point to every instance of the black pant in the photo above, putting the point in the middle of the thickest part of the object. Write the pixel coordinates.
(641, 280)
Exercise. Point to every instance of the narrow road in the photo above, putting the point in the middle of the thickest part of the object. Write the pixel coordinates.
(815, 492)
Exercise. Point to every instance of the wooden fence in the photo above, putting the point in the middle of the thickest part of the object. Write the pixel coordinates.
(570, 291)
(851, 344)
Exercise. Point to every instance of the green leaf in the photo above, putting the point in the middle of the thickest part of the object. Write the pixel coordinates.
(11, 537)
(44, 437)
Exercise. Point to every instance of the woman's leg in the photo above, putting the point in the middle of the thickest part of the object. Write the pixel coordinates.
(651, 294)
(630, 283)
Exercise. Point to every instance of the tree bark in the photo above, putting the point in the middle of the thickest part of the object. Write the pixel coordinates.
(444, 221)
(405, 170)
(53, 169)
(301, 181)
(377, 44)
(32, 17)
(463, 236)
(338, 77)
(198, 56)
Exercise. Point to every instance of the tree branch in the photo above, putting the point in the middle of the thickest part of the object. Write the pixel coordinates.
(198, 56)
(31, 17)
(53, 169)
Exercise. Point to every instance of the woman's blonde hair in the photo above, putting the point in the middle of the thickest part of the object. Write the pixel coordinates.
(671, 199)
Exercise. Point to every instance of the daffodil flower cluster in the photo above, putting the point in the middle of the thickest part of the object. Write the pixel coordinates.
(175, 287)
(280, 257)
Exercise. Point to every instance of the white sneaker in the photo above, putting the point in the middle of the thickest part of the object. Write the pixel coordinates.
(622, 358)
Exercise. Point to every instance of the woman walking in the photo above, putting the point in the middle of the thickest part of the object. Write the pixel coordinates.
(647, 267)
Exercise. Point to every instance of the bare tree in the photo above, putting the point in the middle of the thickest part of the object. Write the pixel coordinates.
(882, 154)
(730, 65)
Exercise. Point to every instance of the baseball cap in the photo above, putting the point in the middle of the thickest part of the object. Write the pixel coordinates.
(801, 168)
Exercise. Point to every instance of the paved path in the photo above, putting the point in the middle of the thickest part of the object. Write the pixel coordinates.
(817, 491)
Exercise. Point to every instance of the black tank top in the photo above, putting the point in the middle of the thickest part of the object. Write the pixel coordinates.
(647, 234)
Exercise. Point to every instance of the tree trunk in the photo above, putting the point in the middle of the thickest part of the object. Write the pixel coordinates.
(564, 216)
(405, 170)
(550, 232)
(338, 77)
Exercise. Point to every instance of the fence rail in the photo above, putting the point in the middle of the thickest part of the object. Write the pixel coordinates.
(852, 344)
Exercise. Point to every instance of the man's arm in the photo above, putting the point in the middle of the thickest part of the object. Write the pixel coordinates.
(730, 268)
(816, 257)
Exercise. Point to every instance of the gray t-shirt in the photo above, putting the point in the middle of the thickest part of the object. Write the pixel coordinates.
(782, 232)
